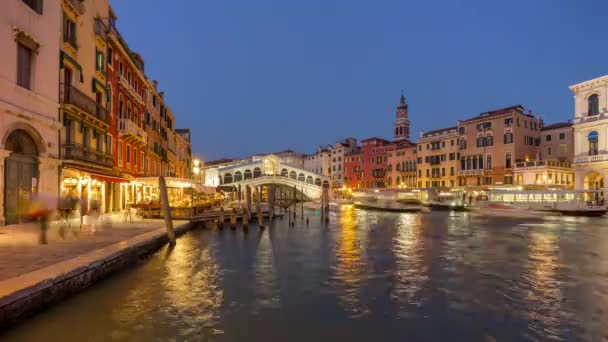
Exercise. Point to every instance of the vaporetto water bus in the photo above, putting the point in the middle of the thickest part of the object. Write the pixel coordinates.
(388, 199)
(563, 202)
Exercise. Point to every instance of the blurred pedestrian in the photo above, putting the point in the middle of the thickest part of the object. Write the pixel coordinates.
(42, 206)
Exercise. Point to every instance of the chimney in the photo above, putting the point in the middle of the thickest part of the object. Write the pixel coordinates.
(421, 133)
(162, 95)
(155, 82)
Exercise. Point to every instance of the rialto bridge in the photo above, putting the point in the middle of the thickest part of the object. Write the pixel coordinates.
(268, 170)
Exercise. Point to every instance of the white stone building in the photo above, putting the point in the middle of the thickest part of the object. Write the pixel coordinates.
(591, 133)
(29, 88)
(319, 162)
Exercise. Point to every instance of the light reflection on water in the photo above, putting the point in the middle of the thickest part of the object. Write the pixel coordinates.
(366, 275)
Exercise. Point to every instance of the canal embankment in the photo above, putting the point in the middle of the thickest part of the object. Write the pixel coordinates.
(34, 276)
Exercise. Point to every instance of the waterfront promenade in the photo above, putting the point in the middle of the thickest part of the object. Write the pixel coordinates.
(34, 275)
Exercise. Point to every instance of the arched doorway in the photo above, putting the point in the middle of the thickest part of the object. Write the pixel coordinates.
(20, 171)
(594, 181)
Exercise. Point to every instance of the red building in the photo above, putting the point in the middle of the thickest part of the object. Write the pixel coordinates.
(366, 169)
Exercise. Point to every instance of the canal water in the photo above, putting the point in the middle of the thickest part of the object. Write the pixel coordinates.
(365, 276)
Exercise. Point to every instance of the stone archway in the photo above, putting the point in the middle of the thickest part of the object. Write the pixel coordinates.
(593, 181)
(20, 173)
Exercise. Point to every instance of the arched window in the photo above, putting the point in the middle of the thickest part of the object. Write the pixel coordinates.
(593, 105)
(390, 168)
(593, 138)
(489, 162)
(318, 181)
(309, 180)
(480, 162)
(293, 175)
(227, 178)
(257, 172)
(284, 173)
(301, 177)
(238, 176)
(247, 174)
(508, 160)
(397, 181)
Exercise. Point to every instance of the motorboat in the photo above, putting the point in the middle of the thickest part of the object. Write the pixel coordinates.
(388, 199)
(447, 200)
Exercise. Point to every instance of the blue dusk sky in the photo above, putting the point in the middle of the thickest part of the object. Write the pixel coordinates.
(252, 76)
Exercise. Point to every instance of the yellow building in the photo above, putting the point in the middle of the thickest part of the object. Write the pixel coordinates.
(85, 139)
(438, 158)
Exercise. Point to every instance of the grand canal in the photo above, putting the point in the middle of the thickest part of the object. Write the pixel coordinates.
(366, 276)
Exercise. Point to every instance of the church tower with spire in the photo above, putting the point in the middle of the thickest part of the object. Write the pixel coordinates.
(402, 123)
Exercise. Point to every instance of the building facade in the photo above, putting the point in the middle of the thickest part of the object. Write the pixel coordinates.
(319, 162)
(366, 168)
(401, 168)
(590, 133)
(491, 143)
(29, 84)
(337, 151)
(438, 158)
(87, 135)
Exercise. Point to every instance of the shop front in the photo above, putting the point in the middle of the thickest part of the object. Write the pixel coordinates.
(93, 192)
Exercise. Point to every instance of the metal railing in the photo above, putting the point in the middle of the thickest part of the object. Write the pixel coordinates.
(585, 118)
(77, 151)
(77, 5)
(73, 96)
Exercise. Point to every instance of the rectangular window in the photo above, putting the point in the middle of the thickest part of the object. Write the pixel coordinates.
(548, 137)
(141, 161)
(99, 60)
(36, 5)
(108, 144)
(120, 69)
(562, 136)
(24, 66)
(128, 154)
(508, 138)
(443, 172)
(134, 158)
(427, 173)
(451, 171)
(69, 31)
(109, 55)
(509, 122)
(120, 153)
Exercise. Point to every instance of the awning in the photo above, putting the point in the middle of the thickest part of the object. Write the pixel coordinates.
(107, 178)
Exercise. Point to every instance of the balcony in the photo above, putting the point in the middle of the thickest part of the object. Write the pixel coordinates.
(131, 132)
(128, 87)
(542, 164)
(477, 172)
(591, 159)
(587, 119)
(100, 28)
(76, 5)
(74, 97)
(74, 151)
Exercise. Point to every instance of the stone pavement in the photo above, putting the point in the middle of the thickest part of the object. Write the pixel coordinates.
(21, 252)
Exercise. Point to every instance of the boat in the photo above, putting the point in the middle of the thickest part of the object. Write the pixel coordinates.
(543, 202)
(388, 199)
(447, 200)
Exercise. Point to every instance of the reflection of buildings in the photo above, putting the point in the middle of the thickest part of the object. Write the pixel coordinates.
(349, 269)
(591, 133)
(409, 251)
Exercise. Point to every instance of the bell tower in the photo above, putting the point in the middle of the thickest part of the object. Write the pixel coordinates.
(402, 123)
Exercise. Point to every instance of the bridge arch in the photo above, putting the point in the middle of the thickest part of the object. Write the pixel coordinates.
(227, 178)
(309, 180)
(293, 175)
(301, 177)
(248, 174)
(238, 176)
(284, 173)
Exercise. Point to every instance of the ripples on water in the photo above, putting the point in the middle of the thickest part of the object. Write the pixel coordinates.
(365, 276)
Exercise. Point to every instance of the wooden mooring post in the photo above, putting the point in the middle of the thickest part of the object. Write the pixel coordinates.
(233, 219)
(162, 184)
(221, 219)
(248, 201)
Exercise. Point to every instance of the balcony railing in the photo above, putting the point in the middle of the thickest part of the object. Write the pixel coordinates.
(75, 151)
(128, 127)
(538, 164)
(591, 159)
(477, 172)
(73, 96)
(585, 118)
(77, 5)
(100, 28)
(70, 39)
